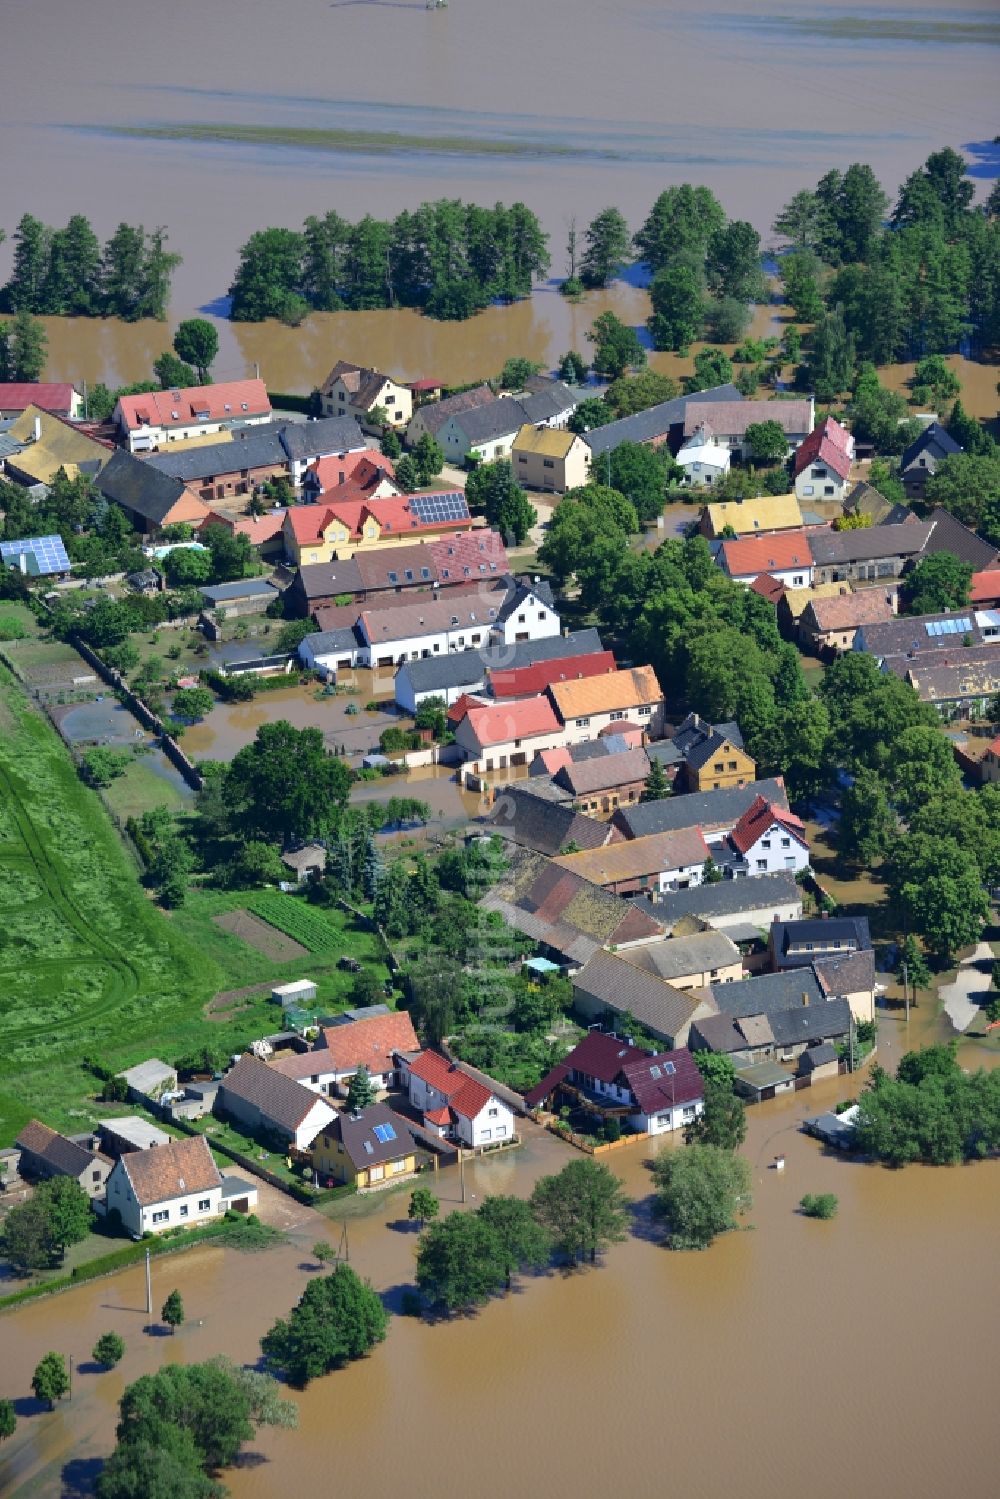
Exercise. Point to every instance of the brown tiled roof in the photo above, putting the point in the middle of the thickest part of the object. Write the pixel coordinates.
(171, 1170)
(845, 611)
(300, 1064)
(280, 1099)
(653, 1002)
(636, 857)
(62, 1156)
(436, 413)
(607, 693)
(520, 814)
(601, 773)
(369, 1043)
(731, 418)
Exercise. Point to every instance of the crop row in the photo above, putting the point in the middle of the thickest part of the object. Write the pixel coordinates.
(302, 922)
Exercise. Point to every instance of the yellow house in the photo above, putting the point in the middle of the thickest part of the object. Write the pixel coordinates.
(770, 512)
(550, 458)
(365, 1149)
(351, 390)
(336, 530)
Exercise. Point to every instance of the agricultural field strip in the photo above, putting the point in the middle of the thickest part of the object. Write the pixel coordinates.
(296, 920)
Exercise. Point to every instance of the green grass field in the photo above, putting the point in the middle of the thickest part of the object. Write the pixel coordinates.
(139, 789)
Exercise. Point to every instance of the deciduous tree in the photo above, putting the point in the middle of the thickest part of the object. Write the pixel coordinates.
(607, 244)
(337, 1319)
(583, 1208)
(197, 343)
(460, 1263)
(700, 1193)
(50, 1380)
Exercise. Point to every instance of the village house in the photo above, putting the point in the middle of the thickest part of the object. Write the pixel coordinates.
(729, 420)
(715, 812)
(793, 603)
(653, 1093)
(264, 532)
(528, 613)
(550, 459)
(703, 460)
(568, 916)
(785, 556)
(830, 624)
(924, 457)
(771, 1018)
(39, 443)
(769, 838)
(522, 816)
(373, 399)
(431, 416)
(657, 426)
(796, 944)
(366, 1149)
(267, 1104)
(609, 987)
(751, 517)
(662, 861)
(234, 600)
(528, 681)
(504, 735)
(130, 1132)
(962, 684)
(852, 978)
(949, 535)
(984, 590)
(600, 782)
(822, 464)
(625, 698)
(456, 1105)
(691, 962)
(349, 522)
(350, 476)
(45, 1153)
(869, 555)
(36, 557)
(56, 396)
(913, 636)
(150, 499)
(429, 625)
(704, 757)
(228, 469)
(312, 1069)
(174, 1186)
(743, 909)
(863, 499)
(483, 433)
(819, 1063)
(460, 672)
(158, 417)
(371, 1042)
(459, 558)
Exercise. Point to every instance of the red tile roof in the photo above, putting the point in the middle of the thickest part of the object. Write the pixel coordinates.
(829, 443)
(461, 706)
(169, 1171)
(758, 817)
(607, 1058)
(438, 1116)
(366, 469)
(766, 554)
(53, 396)
(465, 1095)
(521, 719)
(179, 408)
(371, 1042)
(769, 588)
(985, 586)
(524, 681)
(469, 554)
(352, 505)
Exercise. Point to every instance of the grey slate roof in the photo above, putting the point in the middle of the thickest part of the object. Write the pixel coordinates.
(907, 540)
(822, 933)
(469, 668)
(818, 1056)
(498, 419)
(330, 642)
(680, 956)
(539, 823)
(62, 1156)
(248, 588)
(257, 447)
(933, 442)
(462, 669)
(725, 897)
(361, 1142)
(853, 974)
(655, 422)
(704, 809)
(949, 535)
(321, 438)
(654, 1003)
(547, 401)
(134, 484)
(522, 590)
(320, 580)
(768, 993)
(434, 414)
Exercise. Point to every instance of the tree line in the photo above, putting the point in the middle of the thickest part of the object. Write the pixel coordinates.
(66, 272)
(448, 258)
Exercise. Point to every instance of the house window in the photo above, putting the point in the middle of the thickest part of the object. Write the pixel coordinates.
(522, 458)
(547, 463)
(95, 1176)
(493, 1113)
(501, 1130)
(719, 766)
(645, 711)
(797, 580)
(583, 723)
(162, 1216)
(486, 1134)
(765, 843)
(376, 1173)
(204, 1203)
(521, 618)
(762, 864)
(786, 842)
(617, 716)
(184, 1209)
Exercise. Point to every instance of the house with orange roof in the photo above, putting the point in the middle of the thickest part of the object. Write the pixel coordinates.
(152, 420)
(456, 1104)
(785, 556)
(367, 470)
(822, 464)
(526, 681)
(629, 697)
(369, 396)
(371, 1042)
(508, 734)
(768, 839)
(354, 520)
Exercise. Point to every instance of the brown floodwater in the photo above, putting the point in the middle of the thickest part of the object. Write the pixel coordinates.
(852, 1357)
(753, 106)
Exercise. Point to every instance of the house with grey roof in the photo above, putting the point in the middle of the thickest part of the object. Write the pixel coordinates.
(868, 555)
(522, 816)
(729, 905)
(431, 416)
(609, 987)
(331, 650)
(367, 1148)
(451, 674)
(657, 425)
(485, 432)
(949, 535)
(924, 457)
(772, 1035)
(693, 962)
(267, 1104)
(45, 1153)
(715, 812)
(247, 596)
(149, 498)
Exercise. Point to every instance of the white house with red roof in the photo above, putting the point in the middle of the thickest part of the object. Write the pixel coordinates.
(653, 1093)
(456, 1105)
(509, 733)
(372, 473)
(769, 839)
(59, 397)
(370, 1042)
(159, 417)
(823, 462)
(785, 556)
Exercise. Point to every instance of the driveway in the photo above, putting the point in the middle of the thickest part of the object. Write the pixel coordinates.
(962, 999)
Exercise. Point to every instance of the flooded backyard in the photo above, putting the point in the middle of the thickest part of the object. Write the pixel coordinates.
(852, 1357)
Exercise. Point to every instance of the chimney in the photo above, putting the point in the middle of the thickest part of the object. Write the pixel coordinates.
(805, 1000)
(38, 429)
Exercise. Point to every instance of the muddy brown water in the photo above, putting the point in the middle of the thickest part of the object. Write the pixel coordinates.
(852, 1357)
(632, 97)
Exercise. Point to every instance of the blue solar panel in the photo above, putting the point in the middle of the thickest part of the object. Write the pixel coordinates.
(440, 507)
(42, 554)
(384, 1133)
(949, 626)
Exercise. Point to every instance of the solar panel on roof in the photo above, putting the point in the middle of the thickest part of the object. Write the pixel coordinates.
(384, 1133)
(440, 507)
(949, 626)
(42, 554)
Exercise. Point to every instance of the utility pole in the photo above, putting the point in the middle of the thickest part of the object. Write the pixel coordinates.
(850, 1041)
(71, 1376)
(256, 369)
(461, 1168)
(86, 408)
(149, 1288)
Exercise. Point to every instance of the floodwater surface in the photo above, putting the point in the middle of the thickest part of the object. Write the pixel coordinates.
(247, 113)
(851, 1357)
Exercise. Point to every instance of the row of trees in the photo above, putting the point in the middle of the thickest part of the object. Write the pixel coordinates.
(447, 257)
(66, 272)
(932, 1111)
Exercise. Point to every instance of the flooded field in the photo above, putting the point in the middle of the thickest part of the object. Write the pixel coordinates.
(214, 142)
(886, 1310)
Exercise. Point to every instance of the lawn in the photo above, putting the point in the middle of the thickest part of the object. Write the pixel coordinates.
(140, 789)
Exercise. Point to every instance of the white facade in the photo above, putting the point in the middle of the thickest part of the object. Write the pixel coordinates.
(819, 481)
(509, 752)
(495, 1121)
(667, 1121)
(174, 1212)
(409, 698)
(799, 576)
(703, 460)
(442, 642)
(684, 877)
(456, 444)
(648, 716)
(316, 655)
(532, 619)
(144, 439)
(777, 852)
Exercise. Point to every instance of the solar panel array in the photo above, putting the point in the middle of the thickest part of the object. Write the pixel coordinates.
(44, 554)
(949, 626)
(437, 507)
(384, 1133)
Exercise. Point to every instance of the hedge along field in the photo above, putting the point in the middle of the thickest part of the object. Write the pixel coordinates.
(87, 964)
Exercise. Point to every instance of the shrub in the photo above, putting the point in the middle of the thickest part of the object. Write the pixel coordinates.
(108, 1350)
(819, 1205)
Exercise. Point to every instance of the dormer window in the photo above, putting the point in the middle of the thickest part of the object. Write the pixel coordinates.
(244, 406)
(227, 407)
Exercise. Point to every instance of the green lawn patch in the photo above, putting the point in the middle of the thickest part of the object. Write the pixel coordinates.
(141, 790)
